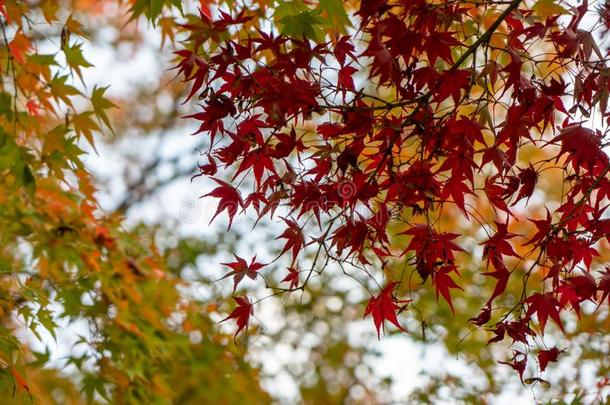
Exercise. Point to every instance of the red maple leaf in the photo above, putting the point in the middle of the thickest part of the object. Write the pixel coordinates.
(500, 273)
(343, 48)
(345, 80)
(241, 314)
(457, 189)
(259, 160)
(584, 286)
(545, 306)
(495, 193)
(517, 330)
(543, 226)
(583, 147)
(240, 268)
(352, 235)
(209, 169)
(528, 179)
(518, 362)
(294, 238)
(443, 283)
(546, 356)
(483, 317)
(33, 108)
(451, 84)
(498, 243)
(292, 278)
(431, 247)
(383, 308)
(229, 200)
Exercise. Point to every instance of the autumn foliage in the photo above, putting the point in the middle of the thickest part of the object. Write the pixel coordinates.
(69, 267)
(436, 169)
(382, 120)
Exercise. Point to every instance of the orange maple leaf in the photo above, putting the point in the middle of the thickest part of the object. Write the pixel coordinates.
(19, 46)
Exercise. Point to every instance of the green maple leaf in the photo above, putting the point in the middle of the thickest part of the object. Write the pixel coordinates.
(101, 104)
(334, 14)
(297, 20)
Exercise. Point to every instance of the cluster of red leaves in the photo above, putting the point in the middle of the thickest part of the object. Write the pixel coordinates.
(371, 159)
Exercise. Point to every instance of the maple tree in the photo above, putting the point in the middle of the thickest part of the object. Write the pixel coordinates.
(98, 306)
(361, 118)
(437, 168)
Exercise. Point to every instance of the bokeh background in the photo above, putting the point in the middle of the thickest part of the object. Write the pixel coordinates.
(312, 347)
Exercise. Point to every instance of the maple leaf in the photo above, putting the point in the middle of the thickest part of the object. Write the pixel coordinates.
(101, 104)
(584, 288)
(483, 317)
(495, 193)
(240, 268)
(335, 14)
(198, 78)
(259, 161)
(294, 238)
(286, 144)
(583, 147)
(518, 363)
(250, 129)
(548, 8)
(186, 64)
(528, 179)
(292, 278)
(443, 283)
(567, 294)
(500, 273)
(547, 356)
(582, 251)
(19, 46)
(431, 248)
(517, 330)
(457, 190)
(451, 84)
(209, 169)
(75, 58)
(343, 48)
(241, 314)
(498, 244)
(543, 226)
(384, 64)
(296, 20)
(514, 71)
(440, 45)
(229, 200)
(85, 126)
(353, 235)
(545, 306)
(369, 8)
(345, 80)
(383, 308)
